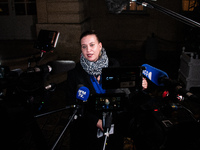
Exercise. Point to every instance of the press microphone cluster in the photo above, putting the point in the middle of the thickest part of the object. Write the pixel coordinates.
(161, 78)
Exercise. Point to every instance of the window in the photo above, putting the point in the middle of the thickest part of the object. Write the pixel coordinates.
(17, 7)
(4, 9)
(132, 6)
(189, 5)
(25, 7)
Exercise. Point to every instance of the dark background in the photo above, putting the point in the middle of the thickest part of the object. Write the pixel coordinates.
(132, 38)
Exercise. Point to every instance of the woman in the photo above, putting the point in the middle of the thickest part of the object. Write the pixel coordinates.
(88, 73)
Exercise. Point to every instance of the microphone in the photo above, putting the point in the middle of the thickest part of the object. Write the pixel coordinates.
(81, 97)
(82, 93)
(182, 91)
(50, 87)
(155, 75)
(108, 120)
(116, 6)
(160, 78)
(145, 4)
(43, 69)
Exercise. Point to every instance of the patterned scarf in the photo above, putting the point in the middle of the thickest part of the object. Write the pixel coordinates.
(95, 68)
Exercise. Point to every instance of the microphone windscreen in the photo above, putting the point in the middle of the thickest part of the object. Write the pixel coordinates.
(116, 6)
(61, 66)
(154, 74)
(83, 93)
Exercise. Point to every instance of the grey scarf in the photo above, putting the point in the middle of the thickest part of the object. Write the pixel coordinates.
(95, 68)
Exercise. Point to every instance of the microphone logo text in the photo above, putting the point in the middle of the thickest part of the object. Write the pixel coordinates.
(148, 74)
(81, 93)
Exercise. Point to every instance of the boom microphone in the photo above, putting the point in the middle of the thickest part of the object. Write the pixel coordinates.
(155, 75)
(116, 6)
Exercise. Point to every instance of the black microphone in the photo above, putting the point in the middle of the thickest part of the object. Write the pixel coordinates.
(177, 87)
(43, 69)
(188, 94)
(108, 120)
(145, 4)
(116, 6)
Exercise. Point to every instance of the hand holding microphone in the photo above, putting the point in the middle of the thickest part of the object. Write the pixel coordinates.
(160, 78)
(155, 75)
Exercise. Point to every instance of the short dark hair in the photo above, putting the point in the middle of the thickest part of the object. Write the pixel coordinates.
(89, 32)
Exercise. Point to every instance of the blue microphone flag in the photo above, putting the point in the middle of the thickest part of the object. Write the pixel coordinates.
(83, 93)
(154, 74)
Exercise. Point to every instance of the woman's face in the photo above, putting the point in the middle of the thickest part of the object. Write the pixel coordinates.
(91, 47)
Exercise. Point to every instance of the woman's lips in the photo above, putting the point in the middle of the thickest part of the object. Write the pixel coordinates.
(89, 55)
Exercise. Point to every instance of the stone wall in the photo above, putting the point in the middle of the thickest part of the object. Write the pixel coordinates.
(120, 33)
(70, 18)
(129, 31)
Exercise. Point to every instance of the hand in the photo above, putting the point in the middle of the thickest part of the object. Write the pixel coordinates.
(144, 83)
(99, 124)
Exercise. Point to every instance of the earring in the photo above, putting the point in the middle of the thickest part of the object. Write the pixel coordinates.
(100, 53)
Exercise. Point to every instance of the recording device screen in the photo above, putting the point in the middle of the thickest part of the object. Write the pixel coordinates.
(122, 77)
(47, 40)
(109, 102)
